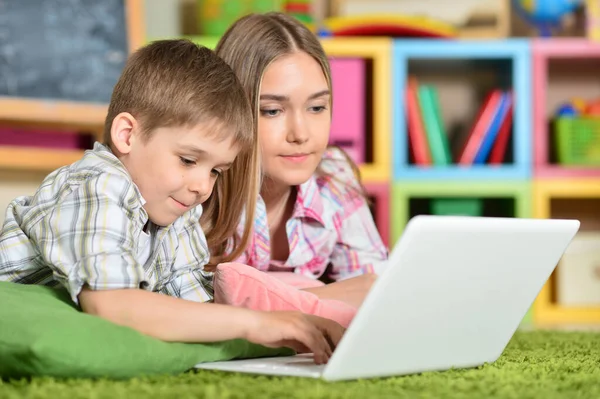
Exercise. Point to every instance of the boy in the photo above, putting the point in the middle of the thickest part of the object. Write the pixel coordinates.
(121, 225)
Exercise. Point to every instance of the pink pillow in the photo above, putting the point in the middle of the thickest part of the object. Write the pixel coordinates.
(242, 285)
(296, 280)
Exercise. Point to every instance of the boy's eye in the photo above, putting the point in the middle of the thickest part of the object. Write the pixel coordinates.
(269, 112)
(187, 161)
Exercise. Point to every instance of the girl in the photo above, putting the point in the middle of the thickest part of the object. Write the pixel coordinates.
(312, 212)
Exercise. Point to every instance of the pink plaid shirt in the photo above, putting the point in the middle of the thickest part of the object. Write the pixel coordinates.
(331, 224)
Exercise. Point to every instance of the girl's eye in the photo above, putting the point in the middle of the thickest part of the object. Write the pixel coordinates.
(318, 109)
(187, 162)
(217, 172)
(269, 112)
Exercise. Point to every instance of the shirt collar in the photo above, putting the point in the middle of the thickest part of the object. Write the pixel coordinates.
(309, 203)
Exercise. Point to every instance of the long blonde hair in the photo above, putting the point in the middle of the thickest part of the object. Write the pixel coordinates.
(253, 42)
(171, 83)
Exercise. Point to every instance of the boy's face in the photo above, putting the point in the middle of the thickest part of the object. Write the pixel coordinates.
(176, 168)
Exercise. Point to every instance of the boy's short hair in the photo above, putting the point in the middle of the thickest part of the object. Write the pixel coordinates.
(171, 83)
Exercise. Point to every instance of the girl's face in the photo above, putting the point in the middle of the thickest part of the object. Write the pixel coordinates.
(294, 120)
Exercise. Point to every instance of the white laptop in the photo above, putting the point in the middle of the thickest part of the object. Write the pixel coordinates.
(452, 295)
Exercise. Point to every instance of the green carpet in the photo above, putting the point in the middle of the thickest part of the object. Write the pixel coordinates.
(538, 364)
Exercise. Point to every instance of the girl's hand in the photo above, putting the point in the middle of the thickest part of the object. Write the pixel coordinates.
(351, 291)
(301, 332)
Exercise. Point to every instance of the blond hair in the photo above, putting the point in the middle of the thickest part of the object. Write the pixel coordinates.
(253, 42)
(172, 83)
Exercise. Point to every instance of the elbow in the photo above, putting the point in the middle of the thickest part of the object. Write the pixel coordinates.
(93, 303)
(108, 305)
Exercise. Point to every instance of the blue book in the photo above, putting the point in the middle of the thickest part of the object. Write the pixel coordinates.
(490, 136)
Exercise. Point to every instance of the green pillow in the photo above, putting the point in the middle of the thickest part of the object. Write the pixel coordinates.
(42, 333)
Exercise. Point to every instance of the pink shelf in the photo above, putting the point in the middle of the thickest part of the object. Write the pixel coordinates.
(349, 90)
(543, 51)
(557, 171)
(381, 193)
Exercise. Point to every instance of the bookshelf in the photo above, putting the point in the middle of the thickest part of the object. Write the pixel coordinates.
(509, 59)
(562, 69)
(377, 53)
(547, 308)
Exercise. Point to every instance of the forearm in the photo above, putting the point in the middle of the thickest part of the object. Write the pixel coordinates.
(168, 318)
(352, 291)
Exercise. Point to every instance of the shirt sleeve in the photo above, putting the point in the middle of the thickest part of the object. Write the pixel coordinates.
(88, 236)
(189, 280)
(359, 248)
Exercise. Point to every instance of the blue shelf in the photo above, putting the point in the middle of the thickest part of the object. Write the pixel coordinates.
(455, 172)
(515, 50)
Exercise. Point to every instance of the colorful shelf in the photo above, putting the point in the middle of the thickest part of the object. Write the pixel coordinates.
(546, 311)
(404, 191)
(543, 52)
(517, 52)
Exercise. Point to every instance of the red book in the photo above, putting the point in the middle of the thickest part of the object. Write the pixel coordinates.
(416, 131)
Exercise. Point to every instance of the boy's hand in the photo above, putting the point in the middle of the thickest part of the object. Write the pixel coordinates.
(301, 332)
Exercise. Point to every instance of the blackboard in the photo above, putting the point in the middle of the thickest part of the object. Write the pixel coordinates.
(69, 50)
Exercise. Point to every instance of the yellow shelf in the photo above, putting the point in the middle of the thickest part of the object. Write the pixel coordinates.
(36, 159)
(545, 311)
(379, 50)
(52, 112)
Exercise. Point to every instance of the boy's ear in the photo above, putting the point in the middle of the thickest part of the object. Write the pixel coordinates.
(123, 132)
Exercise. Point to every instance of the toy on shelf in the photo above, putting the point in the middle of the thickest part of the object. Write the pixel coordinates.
(301, 10)
(216, 16)
(394, 25)
(473, 19)
(545, 14)
(577, 133)
(578, 107)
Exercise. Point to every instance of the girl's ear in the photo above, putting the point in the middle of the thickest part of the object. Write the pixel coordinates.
(123, 132)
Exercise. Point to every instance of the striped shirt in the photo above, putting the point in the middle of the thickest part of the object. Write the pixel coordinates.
(331, 224)
(85, 225)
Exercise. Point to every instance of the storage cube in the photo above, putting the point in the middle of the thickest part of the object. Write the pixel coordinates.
(457, 206)
(348, 123)
(579, 271)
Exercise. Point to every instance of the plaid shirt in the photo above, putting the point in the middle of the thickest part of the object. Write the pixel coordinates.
(83, 225)
(331, 224)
